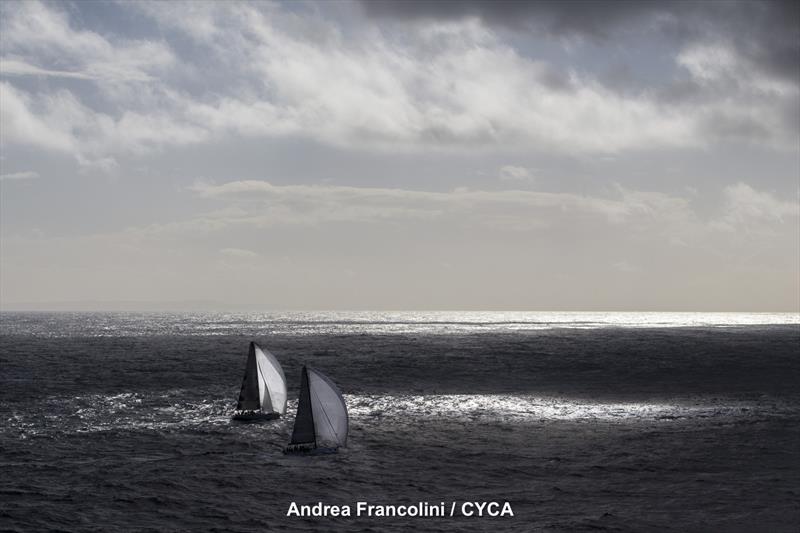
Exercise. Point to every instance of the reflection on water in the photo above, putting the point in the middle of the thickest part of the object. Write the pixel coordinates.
(514, 408)
(131, 411)
(353, 322)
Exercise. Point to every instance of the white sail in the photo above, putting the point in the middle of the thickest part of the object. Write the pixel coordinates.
(328, 409)
(271, 382)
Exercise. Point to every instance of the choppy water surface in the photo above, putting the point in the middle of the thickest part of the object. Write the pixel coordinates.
(623, 422)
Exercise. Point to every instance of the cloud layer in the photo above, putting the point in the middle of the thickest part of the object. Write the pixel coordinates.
(301, 246)
(452, 85)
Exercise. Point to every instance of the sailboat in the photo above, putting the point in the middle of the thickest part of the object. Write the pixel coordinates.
(321, 423)
(263, 394)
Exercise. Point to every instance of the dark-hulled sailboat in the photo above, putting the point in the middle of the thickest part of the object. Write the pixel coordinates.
(321, 423)
(263, 394)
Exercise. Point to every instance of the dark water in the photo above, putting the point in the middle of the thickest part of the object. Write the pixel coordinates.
(615, 422)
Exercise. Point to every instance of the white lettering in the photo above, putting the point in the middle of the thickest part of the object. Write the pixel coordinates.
(486, 509)
(317, 510)
(419, 509)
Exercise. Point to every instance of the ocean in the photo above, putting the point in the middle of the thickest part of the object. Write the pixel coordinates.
(579, 421)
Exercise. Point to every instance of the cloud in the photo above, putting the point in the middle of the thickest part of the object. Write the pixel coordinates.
(19, 124)
(239, 253)
(592, 18)
(745, 104)
(222, 71)
(746, 203)
(59, 121)
(454, 86)
(515, 173)
(626, 267)
(743, 58)
(13, 67)
(646, 216)
(767, 33)
(33, 29)
(626, 249)
(40, 40)
(24, 175)
(265, 204)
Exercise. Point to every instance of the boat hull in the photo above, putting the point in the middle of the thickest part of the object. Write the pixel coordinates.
(308, 449)
(254, 416)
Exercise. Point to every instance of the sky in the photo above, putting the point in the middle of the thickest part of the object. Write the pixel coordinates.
(395, 155)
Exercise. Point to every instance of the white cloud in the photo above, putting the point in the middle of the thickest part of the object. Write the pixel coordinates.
(14, 67)
(746, 201)
(19, 124)
(626, 267)
(239, 253)
(450, 85)
(739, 101)
(749, 210)
(60, 122)
(712, 63)
(24, 175)
(39, 40)
(265, 204)
(32, 29)
(709, 62)
(447, 86)
(644, 216)
(515, 173)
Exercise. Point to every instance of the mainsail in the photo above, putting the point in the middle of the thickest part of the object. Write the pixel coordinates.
(321, 420)
(264, 385)
(303, 432)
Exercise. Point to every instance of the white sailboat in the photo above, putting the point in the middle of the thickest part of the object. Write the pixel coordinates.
(321, 423)
(263, 394)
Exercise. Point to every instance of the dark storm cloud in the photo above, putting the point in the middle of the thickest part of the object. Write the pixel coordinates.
(767, 34)
(582, 16)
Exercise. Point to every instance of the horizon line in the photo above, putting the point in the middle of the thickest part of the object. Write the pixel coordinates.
(181, 306)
